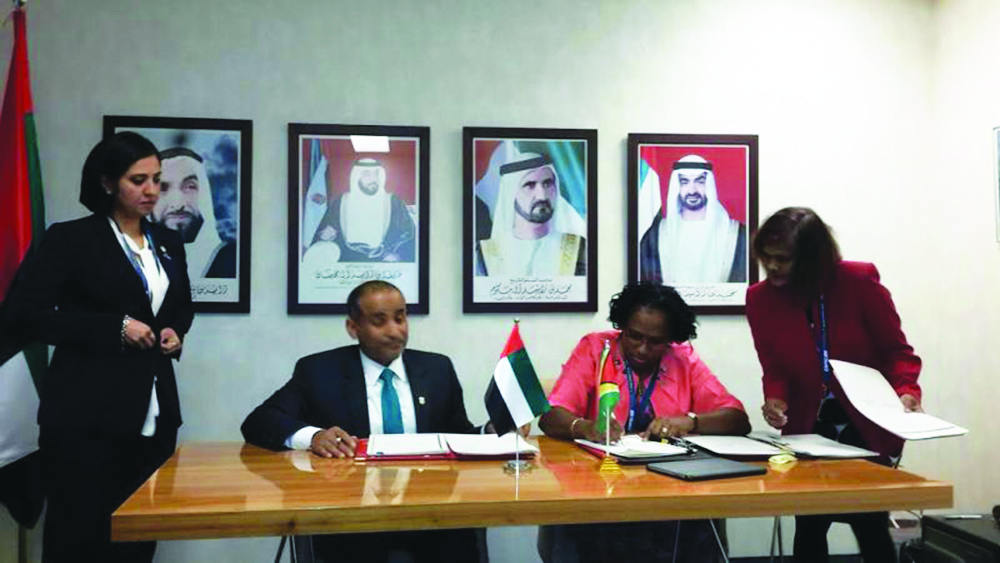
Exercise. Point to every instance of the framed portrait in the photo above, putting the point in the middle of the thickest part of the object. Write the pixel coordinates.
(205, 196)
(358, 210)
(530, 220)
(692, 211)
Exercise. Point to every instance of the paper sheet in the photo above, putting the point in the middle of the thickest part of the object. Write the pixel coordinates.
(488, 444)
(874, 398)
(632, 446)
(406, 444)
(812, 445)
(733, 445)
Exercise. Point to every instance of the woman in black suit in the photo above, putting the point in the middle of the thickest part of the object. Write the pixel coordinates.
(111, 292)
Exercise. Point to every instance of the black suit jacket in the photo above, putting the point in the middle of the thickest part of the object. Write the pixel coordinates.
(73, 292)
(328, 389)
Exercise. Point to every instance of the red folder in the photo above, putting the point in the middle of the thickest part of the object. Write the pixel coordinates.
(361, 454)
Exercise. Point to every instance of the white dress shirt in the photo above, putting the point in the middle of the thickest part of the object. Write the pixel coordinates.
(302, 439)
(158, 282)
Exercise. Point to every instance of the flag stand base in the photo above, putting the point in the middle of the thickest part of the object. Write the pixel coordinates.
(518, 465)
(609, 465)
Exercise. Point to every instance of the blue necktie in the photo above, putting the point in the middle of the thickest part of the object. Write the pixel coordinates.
(392, 419)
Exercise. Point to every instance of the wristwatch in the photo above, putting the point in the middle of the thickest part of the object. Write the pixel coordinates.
(694, 418)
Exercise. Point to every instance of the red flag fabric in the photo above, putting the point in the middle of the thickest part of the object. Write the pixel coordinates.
(513, 342)
(22, 220)
(21, 204)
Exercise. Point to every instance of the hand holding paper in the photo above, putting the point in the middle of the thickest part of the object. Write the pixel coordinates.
(876, 400)
(911, 403)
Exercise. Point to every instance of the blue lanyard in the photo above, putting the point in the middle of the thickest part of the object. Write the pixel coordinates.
(635, 406)
(133, 257)
(823, 344)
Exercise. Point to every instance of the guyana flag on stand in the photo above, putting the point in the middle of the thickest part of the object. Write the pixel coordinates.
(514, 397)
(22, 221)
(607, 398)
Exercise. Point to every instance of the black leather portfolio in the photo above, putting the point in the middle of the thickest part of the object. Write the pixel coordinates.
(702, 469)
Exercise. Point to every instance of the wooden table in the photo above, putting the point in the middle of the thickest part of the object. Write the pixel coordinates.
(218, 490)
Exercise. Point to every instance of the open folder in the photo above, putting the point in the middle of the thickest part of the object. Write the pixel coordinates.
(633, 449)
(869, 392)
(390, 447)
(766, 444)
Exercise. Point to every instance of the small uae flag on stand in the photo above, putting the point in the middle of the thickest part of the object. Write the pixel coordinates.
(515, 397)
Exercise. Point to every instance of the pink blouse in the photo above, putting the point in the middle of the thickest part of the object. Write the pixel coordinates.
(685, 383)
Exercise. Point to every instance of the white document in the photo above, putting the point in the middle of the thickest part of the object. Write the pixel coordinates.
(812, 445)
(632, 446)
(876, 400)
(488, 444)
(406, 444)
(733, 445)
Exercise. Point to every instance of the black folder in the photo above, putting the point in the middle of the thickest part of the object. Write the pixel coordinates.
(702, 469)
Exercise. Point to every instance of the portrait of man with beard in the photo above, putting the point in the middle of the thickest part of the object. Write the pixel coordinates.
(535, 230)
(186, 206)
(692, 238)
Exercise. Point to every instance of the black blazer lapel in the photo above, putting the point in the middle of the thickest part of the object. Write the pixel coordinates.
(419, 388)
(110, 247)
(169, 266)
(355, 391)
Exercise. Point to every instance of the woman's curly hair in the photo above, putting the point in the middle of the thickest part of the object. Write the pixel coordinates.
(681, 319)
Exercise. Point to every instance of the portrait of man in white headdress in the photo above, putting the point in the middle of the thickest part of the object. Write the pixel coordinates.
(186, 205)
(535, 231)
(692, 238)
(368, 223)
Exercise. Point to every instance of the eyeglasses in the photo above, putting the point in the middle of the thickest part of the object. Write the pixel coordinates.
(637, 339)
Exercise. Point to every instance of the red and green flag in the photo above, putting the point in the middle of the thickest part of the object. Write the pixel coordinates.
(515, 396)
(607, 398)
(608, 394)
(22, 221)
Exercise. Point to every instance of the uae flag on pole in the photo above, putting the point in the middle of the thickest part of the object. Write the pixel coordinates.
(22, 221)
(515, 397)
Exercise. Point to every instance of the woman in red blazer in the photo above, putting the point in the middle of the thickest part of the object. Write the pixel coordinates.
(813, 302)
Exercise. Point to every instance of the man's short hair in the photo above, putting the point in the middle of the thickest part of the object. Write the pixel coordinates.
(354, 298)
(681, 319)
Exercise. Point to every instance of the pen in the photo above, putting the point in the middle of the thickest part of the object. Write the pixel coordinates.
(964, 517)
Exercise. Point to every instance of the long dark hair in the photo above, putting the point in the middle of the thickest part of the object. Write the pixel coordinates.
(814, 251)
(110, 159)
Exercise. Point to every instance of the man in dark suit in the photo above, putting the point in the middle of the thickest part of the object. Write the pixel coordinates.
(377, 387)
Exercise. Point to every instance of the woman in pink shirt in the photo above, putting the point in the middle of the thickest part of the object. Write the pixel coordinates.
(666, 391)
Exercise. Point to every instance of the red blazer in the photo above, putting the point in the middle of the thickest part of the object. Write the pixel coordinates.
(862, 327)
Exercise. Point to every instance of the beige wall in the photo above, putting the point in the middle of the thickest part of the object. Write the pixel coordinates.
(877, 114)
